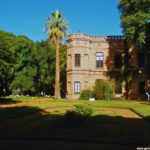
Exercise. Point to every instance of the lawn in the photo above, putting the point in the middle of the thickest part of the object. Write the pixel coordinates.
(21, 98)
(99, 128)
(142, 110)
(106, 125)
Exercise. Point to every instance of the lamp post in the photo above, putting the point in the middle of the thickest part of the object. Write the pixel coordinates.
(108, 87)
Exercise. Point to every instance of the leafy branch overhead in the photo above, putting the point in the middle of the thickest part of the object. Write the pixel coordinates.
(135, 20)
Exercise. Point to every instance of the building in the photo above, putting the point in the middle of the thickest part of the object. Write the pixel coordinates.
(88, 57)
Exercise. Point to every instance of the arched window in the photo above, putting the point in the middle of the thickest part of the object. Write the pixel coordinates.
(99, 60)
(77, 60)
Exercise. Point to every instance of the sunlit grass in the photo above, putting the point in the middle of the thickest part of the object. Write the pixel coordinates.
(141, 109)
(21, 98)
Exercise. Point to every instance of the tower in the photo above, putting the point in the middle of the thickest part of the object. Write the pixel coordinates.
(78, 66)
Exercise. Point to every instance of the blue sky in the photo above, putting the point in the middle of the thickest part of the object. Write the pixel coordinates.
(28, 17)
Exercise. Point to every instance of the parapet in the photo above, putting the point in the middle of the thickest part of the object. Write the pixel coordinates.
(92, 38)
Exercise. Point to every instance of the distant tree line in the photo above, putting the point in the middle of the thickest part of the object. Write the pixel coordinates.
(30, 66)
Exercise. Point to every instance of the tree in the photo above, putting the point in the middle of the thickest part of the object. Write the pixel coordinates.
(6, 57)
(45, 62)
(63, 67)
(56, 28)
(135, 20)
(25, 69)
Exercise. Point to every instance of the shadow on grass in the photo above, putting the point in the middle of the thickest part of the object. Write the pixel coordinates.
(4, 101)
(13, 112)
(18, 101)
(97, 127)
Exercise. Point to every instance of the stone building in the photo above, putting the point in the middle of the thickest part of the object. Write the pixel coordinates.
(89, 56)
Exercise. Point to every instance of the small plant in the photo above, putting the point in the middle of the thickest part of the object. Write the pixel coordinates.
(85, 95)
(84, 109)
(75, 117)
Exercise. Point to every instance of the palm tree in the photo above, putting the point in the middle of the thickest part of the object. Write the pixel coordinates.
(57, 30)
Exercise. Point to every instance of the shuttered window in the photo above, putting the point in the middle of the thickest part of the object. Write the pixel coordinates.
(77, 60)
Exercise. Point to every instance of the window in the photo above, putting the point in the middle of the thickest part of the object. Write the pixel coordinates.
(118, 86)
(141, 87)
(99, 60)
(77, 60)
(77, 87)
(141, 60)
(118, 60)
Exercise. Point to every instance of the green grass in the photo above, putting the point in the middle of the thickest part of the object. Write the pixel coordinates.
(21, 98)
(141, 109)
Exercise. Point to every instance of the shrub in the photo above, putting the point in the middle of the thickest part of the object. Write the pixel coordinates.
(85, 95)
(84, 109)
(101, 90)
(78, 116)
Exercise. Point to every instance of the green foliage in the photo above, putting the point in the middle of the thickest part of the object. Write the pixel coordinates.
(6, 54)
(101, 90)
(30, 66)
(24, 66)
(84, 109)
(75, 117)
(24, 83)
(45, 57)
(56, 27)
(135, 18)
(85, 95)
(63, 57)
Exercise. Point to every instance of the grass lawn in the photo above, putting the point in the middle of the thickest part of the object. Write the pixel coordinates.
(98, 127)
(101, 127)
(21, 98)
(141, 109)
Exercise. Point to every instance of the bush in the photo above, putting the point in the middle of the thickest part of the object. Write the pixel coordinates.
(101, 90)
(84, 109)
(77, 116)
(85, 95)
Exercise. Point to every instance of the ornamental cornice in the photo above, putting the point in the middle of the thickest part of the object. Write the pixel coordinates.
(101, 41)
(77, 39)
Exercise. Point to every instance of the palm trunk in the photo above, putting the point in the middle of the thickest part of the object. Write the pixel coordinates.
(57, 78)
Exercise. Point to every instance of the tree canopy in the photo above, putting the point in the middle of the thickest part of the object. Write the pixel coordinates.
(56, 27)
(135, 20)
(29, 66)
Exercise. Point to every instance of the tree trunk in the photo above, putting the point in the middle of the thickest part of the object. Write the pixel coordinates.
(57, 75)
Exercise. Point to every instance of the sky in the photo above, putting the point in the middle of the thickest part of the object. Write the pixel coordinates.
(28, 17)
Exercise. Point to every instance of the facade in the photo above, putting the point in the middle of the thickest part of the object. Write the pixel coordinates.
(88, 57)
